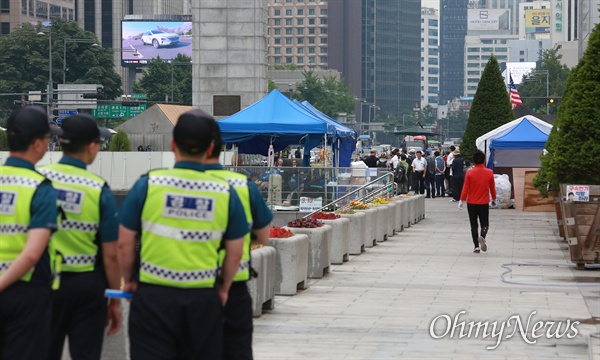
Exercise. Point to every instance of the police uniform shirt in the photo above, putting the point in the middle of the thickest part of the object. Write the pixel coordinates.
(130, 213)
(44, 213)
(261, 215)
(109, 224)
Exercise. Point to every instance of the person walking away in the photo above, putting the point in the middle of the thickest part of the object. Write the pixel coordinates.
(449, 161)
(418, 169)
(237, 334)
(29, 212)
(479, 186)
(458, 175)
(440, 170)
(429, 175)
(400, 175)
(184, 216)
(87, 239)
(410, 174)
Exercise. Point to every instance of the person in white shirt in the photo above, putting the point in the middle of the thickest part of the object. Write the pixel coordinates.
(419, 166)
(449, 166)
(394, 160)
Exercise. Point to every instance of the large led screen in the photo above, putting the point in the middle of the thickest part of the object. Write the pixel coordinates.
(144, 40)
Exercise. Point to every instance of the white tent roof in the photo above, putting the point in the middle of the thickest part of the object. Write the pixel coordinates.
(483, 142)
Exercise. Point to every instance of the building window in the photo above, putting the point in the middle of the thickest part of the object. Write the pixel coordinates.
(432, 90)
(501, 57)
(300, 50)
(311, 40)
(300, 12)
(300, 40)
(473, 57)
(473, 80)
(432, 70)
(277, 22)
(311, 31)
(5, 6)
(324, 50)
(432, 80)
(277, 51)
(4, 28)
(323, 11)
(276, 31)
(323, 21)
(433, 22)
(288, 60)
(473, 65)
(311, 21)
(501, 49)
(323, 59)
(277, 60)
(472, 49)
(323, 30)
(433, 32)
(300, 21)
(311, 59)
(311, 50)
(472, 72)
(277, 41)
(277, 13)
(300, 31)
(522, 52)
(288, 41)
(487, 41)
(432, 61)
(288, 31)
(288, 13)
(288, 51)
(300, 59)
(487, 49)
(311, 11)
(288, 21)
(432, 42)
(323, 40)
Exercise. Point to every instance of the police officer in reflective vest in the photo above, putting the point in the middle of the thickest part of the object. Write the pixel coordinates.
(237, 336)
(27, 219)
(184, 216)
(87, 239)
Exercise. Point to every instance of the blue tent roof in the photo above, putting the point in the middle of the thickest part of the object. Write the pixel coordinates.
(274, 120)
(523, 136)
(341, 131)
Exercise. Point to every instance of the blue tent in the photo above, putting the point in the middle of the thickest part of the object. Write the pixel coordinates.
(343, 138)
(275, 120)
(519, 147)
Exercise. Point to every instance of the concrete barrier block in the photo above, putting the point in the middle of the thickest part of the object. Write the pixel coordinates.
(381, 228)
(262, 288)
(340, 243)
(398, 224)
(291, 265)
(319, 249)
(370, 226)
(391, 225)
(357, 232)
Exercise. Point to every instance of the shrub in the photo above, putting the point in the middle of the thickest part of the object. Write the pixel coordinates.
(120, 142)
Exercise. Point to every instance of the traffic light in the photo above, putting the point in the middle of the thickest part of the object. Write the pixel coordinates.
(552, 100)
(90, 95)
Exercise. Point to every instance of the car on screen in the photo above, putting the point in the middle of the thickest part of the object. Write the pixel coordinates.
(158, 38)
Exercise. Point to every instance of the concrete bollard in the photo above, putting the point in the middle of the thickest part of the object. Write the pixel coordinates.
(340, 244)
(357, 232)
(381, 229)
(291, 265)
(398, 224)
(262, 288)
(370, 227)
(319, 249)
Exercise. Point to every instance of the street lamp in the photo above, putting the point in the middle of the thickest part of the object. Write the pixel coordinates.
(176, 63)
(87, 41)
(50, 94)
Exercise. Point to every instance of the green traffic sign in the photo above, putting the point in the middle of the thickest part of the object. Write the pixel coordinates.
(104, 111)
(139, 96)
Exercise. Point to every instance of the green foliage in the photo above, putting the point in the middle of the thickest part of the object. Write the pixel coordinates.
(491, 107)
(533, 88)
(573, 147)
(271, 85)
(330, 96)
(120, 142)
(283, 67)
(3, 141)
(156, 80)
(24, 61)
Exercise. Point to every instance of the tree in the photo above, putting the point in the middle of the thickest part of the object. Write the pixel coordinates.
(156, 81)
(271, 85)
(533, 88)
(330, 96)
(491, 107)
(24, 61)
(120, 142)
(572, 145)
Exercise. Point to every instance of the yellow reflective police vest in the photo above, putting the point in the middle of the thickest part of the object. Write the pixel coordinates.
(240, 183)
(78, 192)
(184, 218)
(17, 186)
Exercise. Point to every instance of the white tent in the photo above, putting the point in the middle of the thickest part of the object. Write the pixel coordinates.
(484, 142)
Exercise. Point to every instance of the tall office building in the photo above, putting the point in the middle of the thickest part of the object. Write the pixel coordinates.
(15, 13)
(589, 16)
(430, 68)
(453, 29)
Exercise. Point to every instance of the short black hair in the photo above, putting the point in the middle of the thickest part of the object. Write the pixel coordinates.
(194, 132)
(478, 157)
(436, 153)
(452, 147)
(402, 156)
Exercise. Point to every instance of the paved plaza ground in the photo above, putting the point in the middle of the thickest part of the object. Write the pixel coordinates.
(380, 305)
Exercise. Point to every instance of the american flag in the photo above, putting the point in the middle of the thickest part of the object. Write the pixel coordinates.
(515, 99)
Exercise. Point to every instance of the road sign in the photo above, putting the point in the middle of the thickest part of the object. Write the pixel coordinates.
(113, 111)
(59, 120)
(67, 112)
(139, 96)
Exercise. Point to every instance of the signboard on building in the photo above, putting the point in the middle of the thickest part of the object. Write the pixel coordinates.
(517, 70)
(104, 111)
(537, 21)
(488, 19)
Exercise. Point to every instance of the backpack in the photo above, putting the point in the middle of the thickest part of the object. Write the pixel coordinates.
(400, 173)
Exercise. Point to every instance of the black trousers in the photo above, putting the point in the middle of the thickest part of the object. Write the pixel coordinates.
(430, 185)
(457, 185)
(237, 329)
(79, 312)
(25, 321)
(172, 323)
(418, 184)
(481, 212)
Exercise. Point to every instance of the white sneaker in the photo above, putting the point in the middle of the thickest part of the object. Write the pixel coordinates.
(476, 250)
(482, 243)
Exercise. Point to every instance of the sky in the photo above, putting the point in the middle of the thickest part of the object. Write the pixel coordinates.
(431, 3)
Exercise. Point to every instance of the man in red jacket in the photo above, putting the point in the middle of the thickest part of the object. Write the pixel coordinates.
(479, 184)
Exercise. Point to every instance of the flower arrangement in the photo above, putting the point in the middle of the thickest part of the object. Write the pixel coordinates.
(357, 205)
(255, 246)
(280, 233)
(305, 223)
(380, 201)
(325, 216)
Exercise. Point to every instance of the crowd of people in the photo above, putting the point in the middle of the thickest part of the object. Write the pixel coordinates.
(180, 244)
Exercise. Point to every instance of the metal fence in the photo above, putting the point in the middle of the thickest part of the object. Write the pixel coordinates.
(310, 187)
